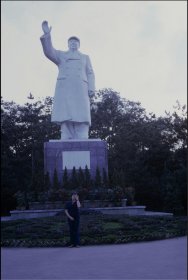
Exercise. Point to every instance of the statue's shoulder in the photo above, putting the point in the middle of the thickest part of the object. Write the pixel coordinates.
(83, 55)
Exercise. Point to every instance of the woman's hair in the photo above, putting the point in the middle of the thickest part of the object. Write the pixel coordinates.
(74, 193)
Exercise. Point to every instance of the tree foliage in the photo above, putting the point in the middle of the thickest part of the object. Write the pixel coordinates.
(146, 154)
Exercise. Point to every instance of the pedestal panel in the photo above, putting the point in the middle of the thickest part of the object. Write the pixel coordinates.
(78, 153)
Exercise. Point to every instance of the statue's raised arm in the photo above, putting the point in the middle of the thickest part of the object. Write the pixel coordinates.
(46, 29)
(46, 41)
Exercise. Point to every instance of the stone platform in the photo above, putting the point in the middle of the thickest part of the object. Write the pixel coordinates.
(59, 154)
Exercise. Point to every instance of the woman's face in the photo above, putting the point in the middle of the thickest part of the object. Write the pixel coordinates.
(74, 196)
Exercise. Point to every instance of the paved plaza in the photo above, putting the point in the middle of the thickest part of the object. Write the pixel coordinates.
(165, 259)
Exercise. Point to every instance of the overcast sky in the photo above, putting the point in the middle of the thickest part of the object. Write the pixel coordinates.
(137, 48)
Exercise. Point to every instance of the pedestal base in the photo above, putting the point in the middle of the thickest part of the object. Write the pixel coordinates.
(59, 154)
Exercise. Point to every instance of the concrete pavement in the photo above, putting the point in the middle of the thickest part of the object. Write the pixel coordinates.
(165, 259)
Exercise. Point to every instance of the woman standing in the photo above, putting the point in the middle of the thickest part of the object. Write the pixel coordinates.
(73, 215)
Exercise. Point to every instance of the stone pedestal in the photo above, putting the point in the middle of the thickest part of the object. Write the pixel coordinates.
(78, 153)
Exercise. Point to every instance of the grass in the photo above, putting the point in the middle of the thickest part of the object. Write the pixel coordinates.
(95, 228)
(112, 226)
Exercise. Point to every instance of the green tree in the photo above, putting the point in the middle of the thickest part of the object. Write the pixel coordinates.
(81, 179)
(98, 179)
(105, 178)
(87, 178)
(65, 181)
(56, 184)
(47, 182)
(74, 179)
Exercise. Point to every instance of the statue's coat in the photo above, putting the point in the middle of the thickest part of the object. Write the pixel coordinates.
(75, 79)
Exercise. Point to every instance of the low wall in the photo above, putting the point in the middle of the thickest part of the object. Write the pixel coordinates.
(28, 214)
(129, 210)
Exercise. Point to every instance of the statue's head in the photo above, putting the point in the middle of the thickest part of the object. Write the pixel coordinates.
(74, 42)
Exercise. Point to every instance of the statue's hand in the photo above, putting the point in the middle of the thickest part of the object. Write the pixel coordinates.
(45, 27)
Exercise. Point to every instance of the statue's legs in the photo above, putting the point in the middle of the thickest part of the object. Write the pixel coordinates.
(74, 130)
(67, 131)
(81, 130)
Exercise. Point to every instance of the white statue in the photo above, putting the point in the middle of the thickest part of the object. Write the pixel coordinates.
(75, 82)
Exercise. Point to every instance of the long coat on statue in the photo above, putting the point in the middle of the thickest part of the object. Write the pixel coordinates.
(75, 79)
